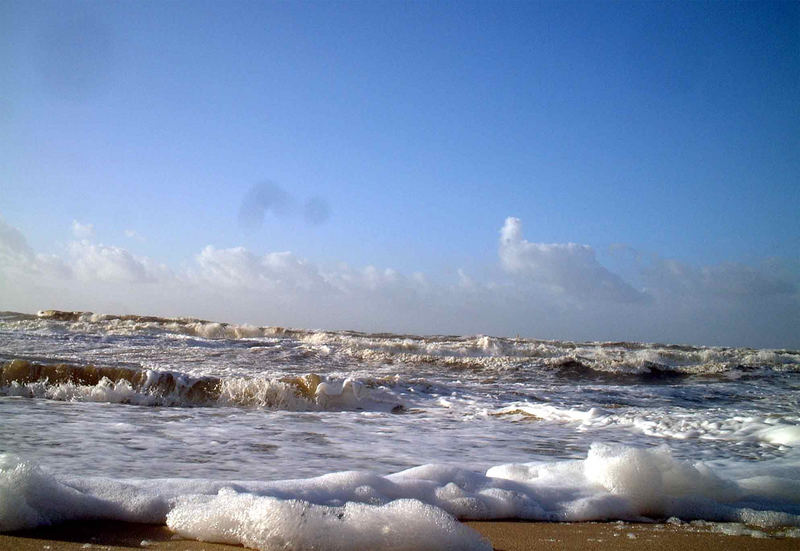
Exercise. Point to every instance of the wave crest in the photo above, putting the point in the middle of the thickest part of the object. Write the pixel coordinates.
(478, 353)
(90, 383)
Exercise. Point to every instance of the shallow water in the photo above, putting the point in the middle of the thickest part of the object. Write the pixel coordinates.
(124, 398)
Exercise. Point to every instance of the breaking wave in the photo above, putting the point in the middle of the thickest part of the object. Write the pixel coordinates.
(481, 352)
(90, 383)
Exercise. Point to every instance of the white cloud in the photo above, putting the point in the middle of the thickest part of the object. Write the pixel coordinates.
(464, 281)
(561, 268)
(545, 290)
(52, 267)
(104, 263)
(82, 231)
(238, 267)
(17, 257)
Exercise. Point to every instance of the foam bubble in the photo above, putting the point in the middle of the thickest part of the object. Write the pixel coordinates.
(29, 497)
(272, 524)
(677, 423)
(651, 480)
(611, 483)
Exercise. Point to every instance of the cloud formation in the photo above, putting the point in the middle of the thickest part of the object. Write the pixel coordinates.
(13, 245)
(99, 262)
(18, 260)
(562, 268)
(556, 290)
(239, 268)
(730, 281)
(82, 231)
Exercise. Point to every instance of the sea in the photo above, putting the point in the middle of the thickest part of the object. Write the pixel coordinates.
(280, 438)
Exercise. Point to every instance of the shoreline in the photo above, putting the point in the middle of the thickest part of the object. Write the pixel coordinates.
(504, 535)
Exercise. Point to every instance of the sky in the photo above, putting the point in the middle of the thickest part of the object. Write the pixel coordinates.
(561, 170)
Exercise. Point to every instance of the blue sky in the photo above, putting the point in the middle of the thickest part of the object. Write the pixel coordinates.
(656, 134)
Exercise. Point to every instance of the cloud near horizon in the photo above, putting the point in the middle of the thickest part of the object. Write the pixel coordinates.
(562, 268)
(557, 290)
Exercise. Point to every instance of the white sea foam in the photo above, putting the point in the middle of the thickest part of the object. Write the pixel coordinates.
(294, 403)
(613, 482)
(677, 423)
(30, 497)
(272, 524)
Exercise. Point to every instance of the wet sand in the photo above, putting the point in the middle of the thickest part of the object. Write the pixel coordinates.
(524, 536)
(505, 536)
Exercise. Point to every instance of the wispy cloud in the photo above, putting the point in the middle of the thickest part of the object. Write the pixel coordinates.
(729, 281)
(82, 231)
(13, 244)
(133, 234)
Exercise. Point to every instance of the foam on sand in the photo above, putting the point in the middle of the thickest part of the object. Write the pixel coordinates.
(29, 497)
(272, 524)
(612, 483)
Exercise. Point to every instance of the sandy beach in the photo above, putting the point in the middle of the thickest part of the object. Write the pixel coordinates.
(505, 536)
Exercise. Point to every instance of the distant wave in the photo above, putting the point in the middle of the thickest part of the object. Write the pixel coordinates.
(479, 353)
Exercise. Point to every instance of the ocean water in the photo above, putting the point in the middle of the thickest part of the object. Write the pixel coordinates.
(266, 435)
